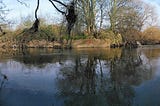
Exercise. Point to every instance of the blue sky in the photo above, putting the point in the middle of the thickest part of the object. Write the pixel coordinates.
(19, 11)
(156, 3)
(46, 9)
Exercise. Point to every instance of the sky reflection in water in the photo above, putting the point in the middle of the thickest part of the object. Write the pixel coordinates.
(93, 77)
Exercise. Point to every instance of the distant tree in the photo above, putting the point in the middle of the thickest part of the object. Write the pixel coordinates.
(3, 13)
(129, 17)
(101, 7)
(151, 34)
(128, 21)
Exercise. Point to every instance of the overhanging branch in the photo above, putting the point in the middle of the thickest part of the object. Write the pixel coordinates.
(56, 7)
(23, 3)
(60, 3)
(37, 9)
(35, 25)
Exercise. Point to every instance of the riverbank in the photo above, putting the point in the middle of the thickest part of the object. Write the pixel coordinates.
(83, 43)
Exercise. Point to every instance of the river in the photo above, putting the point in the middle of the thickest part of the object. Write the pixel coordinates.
(80, 77)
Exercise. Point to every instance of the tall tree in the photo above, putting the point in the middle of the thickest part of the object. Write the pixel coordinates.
(3, 13)
(128, 17)
(35, 26)
(101, 8)
(87, 9)
(69, 14)
(114, 7)
(132, 18)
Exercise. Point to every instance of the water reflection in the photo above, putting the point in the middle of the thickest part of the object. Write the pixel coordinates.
(3, 78)
(92, 80)
(92, 77)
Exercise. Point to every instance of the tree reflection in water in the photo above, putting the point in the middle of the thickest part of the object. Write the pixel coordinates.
(3, 78)
(93, 80)
(90, 77)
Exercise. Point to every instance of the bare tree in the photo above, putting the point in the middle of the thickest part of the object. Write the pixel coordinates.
(114, 8)
(36, 23)
(3, 12)
(101, 6)
(133, 18)
(87, 9)
(69, 13)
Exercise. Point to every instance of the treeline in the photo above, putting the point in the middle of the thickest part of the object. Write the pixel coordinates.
(129, 18)
(118, 20)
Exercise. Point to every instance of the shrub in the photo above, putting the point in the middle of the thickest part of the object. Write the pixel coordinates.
(152, 34)
(108, 34)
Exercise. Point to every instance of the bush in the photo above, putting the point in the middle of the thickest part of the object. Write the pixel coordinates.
(48, 33)
(108, 34)
(77, 37)
(151, 34)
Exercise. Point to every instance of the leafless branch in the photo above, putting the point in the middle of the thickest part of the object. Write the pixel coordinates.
(23, 3)
(60, 3)
(37, 9)
(56, 7)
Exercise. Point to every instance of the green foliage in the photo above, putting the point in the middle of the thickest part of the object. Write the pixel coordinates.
(48, 33)
(108, 34)
(77, 37)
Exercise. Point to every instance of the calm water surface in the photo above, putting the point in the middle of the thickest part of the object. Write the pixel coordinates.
(93, 77)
